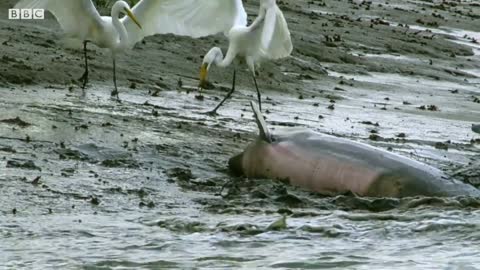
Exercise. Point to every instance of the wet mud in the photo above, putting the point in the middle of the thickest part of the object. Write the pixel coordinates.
(88, 182)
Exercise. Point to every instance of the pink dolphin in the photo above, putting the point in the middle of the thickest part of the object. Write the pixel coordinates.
(331, 166)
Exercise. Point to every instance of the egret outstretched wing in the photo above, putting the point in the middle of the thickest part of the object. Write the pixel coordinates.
(195, 18)
(275, 37)
(78, 18)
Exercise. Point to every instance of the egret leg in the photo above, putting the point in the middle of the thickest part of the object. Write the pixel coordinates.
(259, 96)
(84, 77)
(115, 91)
(229, 94)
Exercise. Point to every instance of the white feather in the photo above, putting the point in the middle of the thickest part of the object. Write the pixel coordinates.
(78, 18)
(270, 40)
(276, 39)
(194, 18)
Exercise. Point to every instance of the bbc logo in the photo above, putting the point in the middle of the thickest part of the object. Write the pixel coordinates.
(26, 14)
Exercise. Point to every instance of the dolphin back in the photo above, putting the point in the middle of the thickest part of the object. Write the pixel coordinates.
(399, 176)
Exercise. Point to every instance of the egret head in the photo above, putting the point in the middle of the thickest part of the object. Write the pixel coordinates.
(215, 55)
(122, 7)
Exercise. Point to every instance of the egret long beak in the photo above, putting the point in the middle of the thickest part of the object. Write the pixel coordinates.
(203, 74)
(134, 19)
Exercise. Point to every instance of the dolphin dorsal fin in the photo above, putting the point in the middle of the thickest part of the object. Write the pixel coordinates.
(262, 125)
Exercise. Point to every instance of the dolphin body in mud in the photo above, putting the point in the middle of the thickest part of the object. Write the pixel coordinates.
(331, 166)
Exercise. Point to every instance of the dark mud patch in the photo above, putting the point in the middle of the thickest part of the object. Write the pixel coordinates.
(16, 121)
(182, 226)
(72, 154)
(120, 162)
(22, 164)
(185, 178)
(181, 174)
(7, 149)
(469, 174)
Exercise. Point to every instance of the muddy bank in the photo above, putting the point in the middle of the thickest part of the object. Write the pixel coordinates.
(144, 183)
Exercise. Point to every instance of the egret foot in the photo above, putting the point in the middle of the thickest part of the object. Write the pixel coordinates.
(114, 94)
(212, 113)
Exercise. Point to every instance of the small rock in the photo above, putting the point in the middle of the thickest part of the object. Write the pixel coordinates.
(29, 165)
(441, 145)
(278, 225)
(95, 201)
(36, 181)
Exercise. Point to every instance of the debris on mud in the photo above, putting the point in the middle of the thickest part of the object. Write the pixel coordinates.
(441, 145)
(94, 201)
(149, 204)
(22, 164)
(375, 137)
(370, 123)
(16, 121)
(36, 181)
(469, 174)
(7, 149)
(278, 225)
(120, 162)
(290, 200)
(432, 108)
(181, 174)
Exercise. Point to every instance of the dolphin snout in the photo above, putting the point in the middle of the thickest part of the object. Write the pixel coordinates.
(235, 164)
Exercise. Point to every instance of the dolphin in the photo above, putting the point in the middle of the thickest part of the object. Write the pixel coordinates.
(331, 166)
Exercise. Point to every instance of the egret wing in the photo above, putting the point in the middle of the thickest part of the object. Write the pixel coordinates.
(270, 22)
(275, 36)
(78, 18)
(195, 18)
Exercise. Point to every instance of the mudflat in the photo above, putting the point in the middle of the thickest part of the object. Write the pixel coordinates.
(86, 181)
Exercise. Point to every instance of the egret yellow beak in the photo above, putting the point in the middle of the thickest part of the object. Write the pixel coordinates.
(134, 19)
(203, 74)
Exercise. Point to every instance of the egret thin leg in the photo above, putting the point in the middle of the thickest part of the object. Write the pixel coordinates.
(259, 96)
(84, 77)
(115, 91)
(227, 96)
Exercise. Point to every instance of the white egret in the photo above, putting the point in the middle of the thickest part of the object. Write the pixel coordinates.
(80, 20)
(267, 37)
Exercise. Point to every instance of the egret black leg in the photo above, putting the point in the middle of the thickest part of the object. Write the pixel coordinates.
(229, 94)
(115, 91)
(259, 96)
(84, 77)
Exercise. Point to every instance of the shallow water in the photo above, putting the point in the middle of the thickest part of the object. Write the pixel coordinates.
(88, 183)
(150, 213)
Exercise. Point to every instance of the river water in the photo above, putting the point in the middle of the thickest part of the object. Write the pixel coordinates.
(122, 188)
(89, 183)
